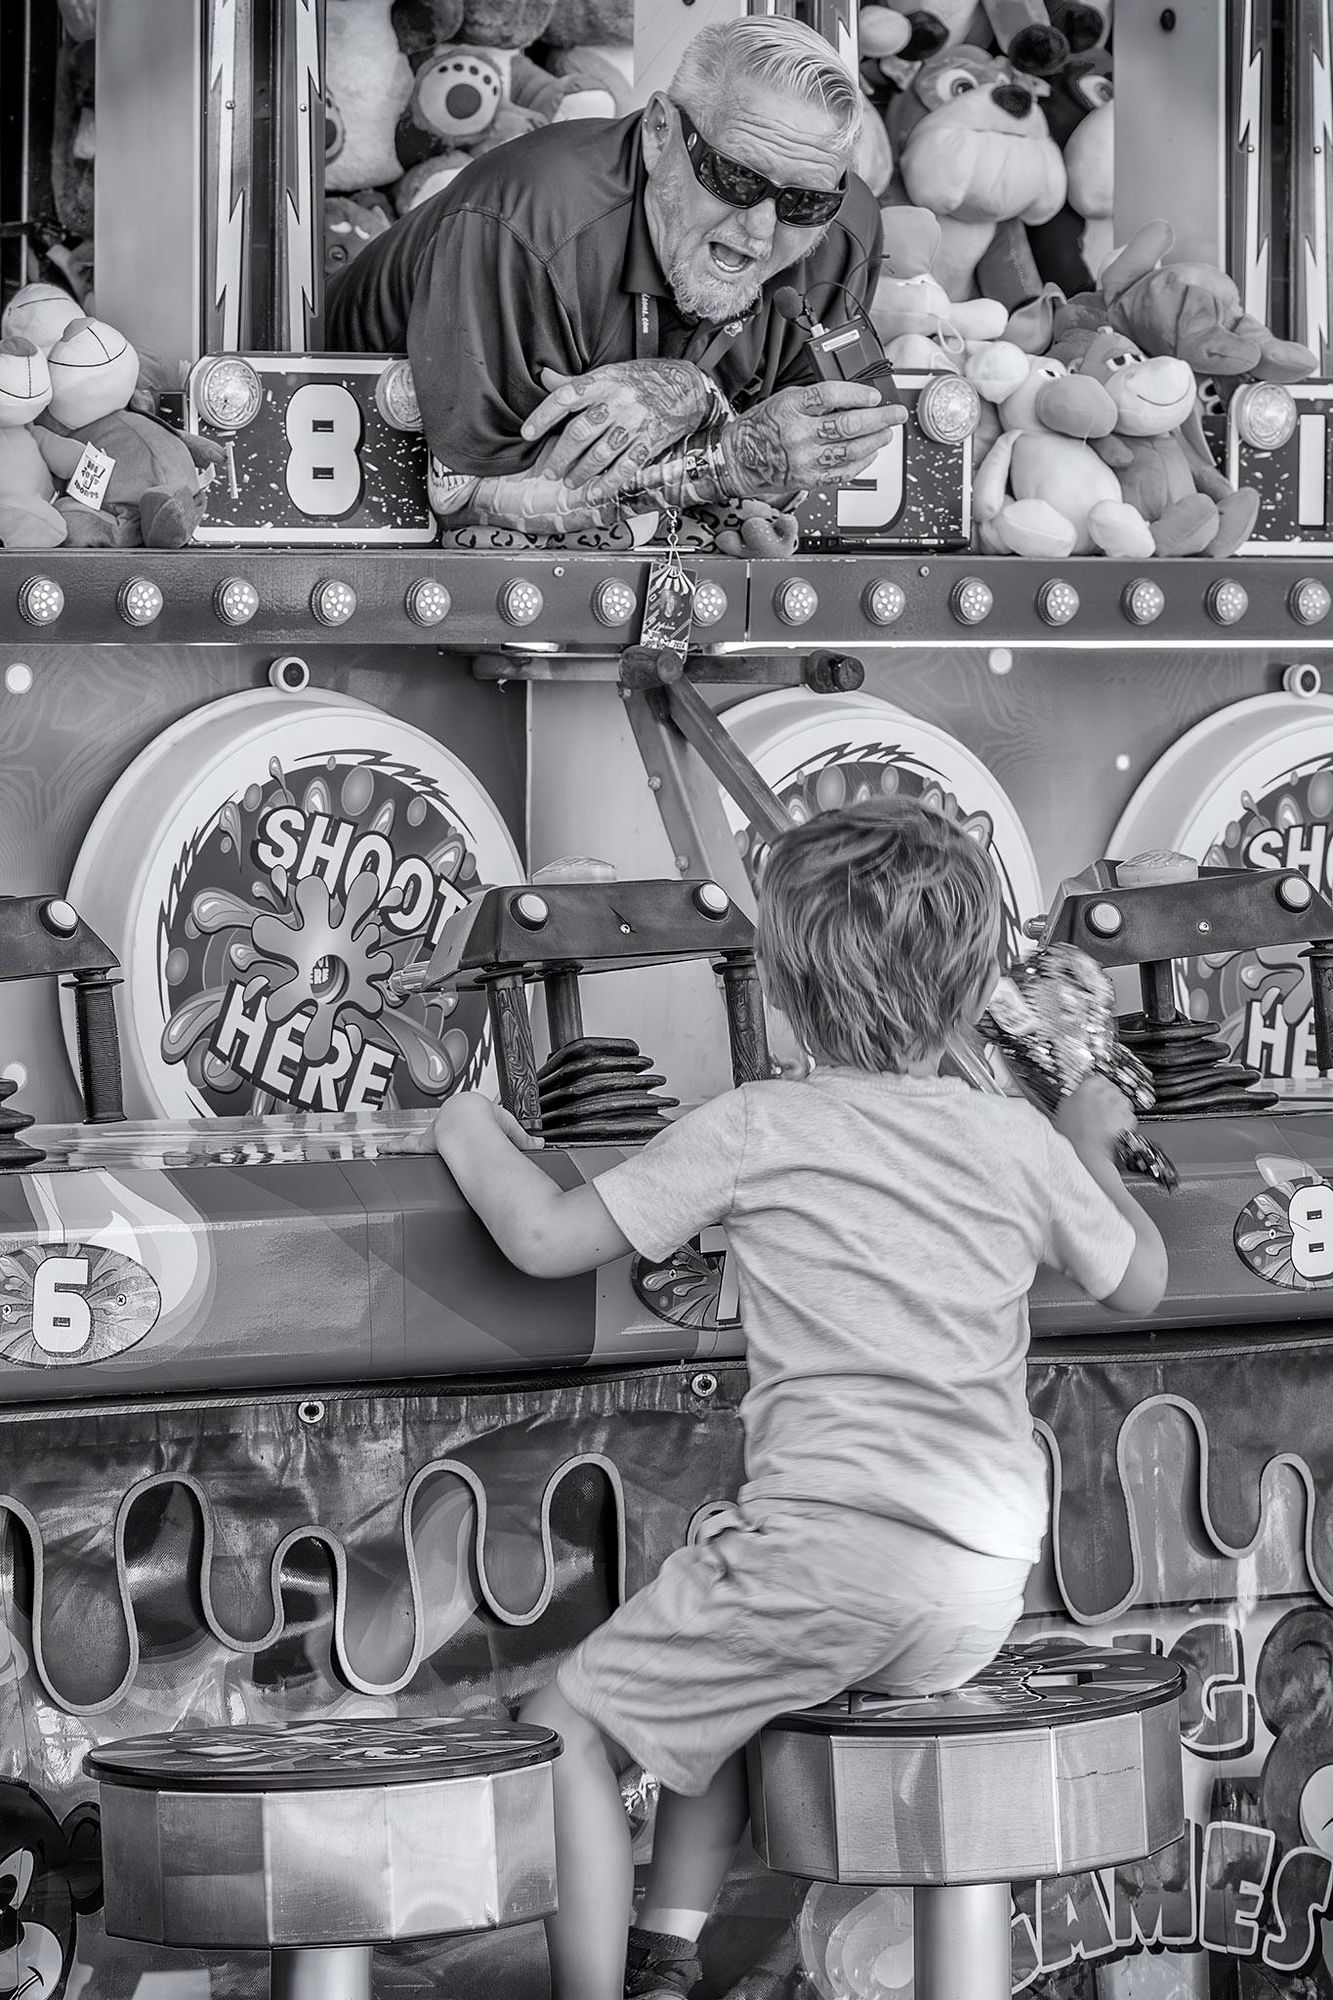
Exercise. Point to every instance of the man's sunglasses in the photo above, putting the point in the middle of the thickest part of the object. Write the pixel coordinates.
(743, 187)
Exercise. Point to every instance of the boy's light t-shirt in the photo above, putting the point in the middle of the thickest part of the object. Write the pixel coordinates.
(886, 1230)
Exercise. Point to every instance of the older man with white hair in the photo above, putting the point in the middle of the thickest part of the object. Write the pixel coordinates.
(589, 310)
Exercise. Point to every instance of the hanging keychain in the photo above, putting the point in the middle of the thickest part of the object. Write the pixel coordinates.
(668, 611)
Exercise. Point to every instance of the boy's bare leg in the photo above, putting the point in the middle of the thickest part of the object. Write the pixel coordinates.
(585, 1938)
(694, 1844)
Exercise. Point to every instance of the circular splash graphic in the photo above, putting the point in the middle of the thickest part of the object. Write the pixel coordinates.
(289, 892)
(1262, 998)
(822, 752)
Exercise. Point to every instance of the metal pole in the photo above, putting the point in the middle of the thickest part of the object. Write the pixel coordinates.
(564, 1008)
(960, 1942)
(320, 1972)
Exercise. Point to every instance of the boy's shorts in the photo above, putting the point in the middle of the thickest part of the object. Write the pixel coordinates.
(780, 1605)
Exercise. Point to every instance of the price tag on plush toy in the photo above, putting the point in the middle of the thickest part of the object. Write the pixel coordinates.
(91, 477)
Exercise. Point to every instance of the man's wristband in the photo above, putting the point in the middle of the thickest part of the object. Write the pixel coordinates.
(719, 410)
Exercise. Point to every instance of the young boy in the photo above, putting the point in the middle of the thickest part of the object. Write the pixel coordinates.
(887, 1224)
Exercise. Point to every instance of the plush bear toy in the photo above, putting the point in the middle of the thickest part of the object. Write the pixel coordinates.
(921, 326)
(156, 495)
(28, 517)
(1071, 248)
(1191, 509)
(1041, 489)
(1027, 32)
(367, 83)
(1193, 311)
(973, 147)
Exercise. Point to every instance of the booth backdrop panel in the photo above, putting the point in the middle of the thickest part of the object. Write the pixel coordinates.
(435, 1552)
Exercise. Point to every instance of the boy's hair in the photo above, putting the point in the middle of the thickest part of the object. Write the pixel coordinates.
(876, 928)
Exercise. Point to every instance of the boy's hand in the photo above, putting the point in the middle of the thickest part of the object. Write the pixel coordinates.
(1094, 1116)
(469, 1111)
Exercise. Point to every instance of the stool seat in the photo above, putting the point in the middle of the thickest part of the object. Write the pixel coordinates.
(1054, 1759)
(326, 1834)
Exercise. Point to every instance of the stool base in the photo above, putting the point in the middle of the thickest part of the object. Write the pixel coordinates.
(320, 1972)
(960, 1942)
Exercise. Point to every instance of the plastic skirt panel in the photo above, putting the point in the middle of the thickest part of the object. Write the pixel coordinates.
(436, 1550)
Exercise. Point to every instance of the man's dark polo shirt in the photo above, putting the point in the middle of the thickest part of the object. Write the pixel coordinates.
(535, 257)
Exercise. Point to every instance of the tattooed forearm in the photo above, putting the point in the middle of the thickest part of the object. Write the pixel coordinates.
(625, 410)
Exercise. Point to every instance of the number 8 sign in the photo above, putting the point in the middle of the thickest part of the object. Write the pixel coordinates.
(1285, 1234)
(328, 449)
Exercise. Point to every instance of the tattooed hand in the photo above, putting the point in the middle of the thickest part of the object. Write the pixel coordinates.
(819, 436)
(624, 414)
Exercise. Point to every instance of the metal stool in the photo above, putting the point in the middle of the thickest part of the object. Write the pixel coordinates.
(317, 1841)
(1055, 1759)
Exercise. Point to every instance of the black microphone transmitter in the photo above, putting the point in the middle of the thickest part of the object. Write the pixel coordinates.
(848, 353)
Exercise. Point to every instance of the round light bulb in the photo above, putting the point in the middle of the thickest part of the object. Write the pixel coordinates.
(428, 602)
(227, 392)
(1310, 601)
(1143, 601)
(1265, 414)
(884, 603)
(236, 601)
(710, 603)
(139, 602)
(971, 601)
(1058, 602)
(521, 601)
(948, 409)
(711, 899)
(796, 601)
(1105, 920)
(41, 600)
(333, 601)
(1227, 601)
(614, 602)
(396, 397)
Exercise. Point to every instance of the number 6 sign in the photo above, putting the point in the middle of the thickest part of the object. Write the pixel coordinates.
(64, 1305)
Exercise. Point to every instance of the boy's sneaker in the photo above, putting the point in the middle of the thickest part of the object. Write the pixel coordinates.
(658, 1967)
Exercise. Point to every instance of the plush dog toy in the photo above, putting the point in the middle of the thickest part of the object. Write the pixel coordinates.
(1190, 310)
(156, 494)
(1163, 470)
(973, 147)
(1042, 490)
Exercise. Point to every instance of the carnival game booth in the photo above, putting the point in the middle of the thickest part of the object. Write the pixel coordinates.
(282, 1434)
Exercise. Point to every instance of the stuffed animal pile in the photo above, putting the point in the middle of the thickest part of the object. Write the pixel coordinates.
(999, 264)
(416, 88)
(989, 142)
(68, 428)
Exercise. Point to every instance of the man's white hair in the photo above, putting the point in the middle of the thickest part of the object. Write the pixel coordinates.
(781, 54)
